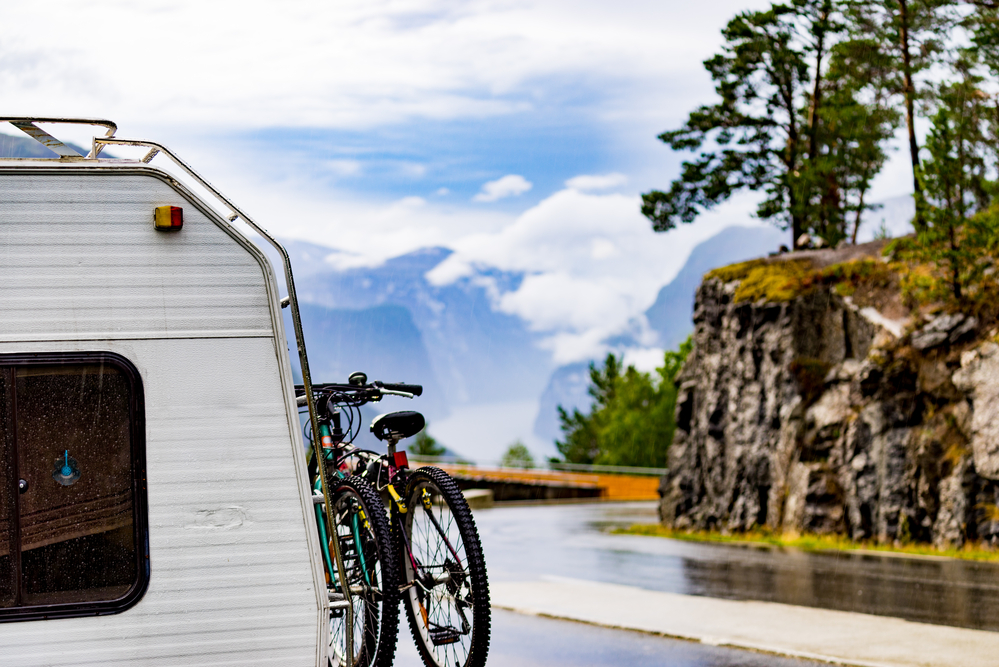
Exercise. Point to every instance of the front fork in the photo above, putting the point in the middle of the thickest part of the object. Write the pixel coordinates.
(329, 438)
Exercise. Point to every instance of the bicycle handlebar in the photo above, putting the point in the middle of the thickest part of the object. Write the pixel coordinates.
(414, 389)
(368, 392)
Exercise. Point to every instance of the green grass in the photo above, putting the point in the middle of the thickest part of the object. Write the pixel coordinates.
(809, 542)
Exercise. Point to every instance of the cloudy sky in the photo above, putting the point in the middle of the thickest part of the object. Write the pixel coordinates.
(519, 134)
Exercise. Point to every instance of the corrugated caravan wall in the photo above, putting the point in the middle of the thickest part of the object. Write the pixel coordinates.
(81, 268)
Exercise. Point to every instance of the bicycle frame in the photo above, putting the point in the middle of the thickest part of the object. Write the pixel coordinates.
(398, 466)
(422, 572)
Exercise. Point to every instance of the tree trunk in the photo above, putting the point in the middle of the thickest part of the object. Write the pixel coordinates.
(910, 114)
(954, 268)
(813, 112)
(856, 221)
(792, 199)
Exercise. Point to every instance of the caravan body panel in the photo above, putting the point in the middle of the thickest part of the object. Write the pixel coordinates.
(233, 567)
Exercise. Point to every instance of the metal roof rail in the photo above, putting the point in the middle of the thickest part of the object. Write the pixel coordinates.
(27, 125)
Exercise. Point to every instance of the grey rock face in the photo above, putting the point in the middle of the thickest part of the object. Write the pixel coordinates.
(806, 417)
(979, 378)
(742, 417)
(945, 328)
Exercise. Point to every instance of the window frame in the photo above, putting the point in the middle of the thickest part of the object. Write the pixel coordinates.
(140, 525)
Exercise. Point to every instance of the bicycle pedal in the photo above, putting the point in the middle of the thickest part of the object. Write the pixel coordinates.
(442, 636)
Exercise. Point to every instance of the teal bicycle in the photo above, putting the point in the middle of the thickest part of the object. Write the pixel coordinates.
(364, 595)
(437, 552)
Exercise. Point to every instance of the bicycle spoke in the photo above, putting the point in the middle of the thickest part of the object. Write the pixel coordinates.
(441, 601)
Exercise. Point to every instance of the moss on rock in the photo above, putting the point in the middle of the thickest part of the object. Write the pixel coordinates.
(782, 280)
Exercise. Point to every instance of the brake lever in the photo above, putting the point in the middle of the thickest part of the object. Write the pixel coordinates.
(392, 392)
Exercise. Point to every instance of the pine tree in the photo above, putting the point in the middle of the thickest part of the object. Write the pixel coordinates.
(803, 117)
(631, 421)
(857, 122)
(517, 455)
(908, 32)
(958, 232)
(426, 445)
(753, 135)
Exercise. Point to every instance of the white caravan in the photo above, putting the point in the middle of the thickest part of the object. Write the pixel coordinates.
(154, 506)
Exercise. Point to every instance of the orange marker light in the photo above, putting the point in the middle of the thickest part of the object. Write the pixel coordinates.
(168, 217)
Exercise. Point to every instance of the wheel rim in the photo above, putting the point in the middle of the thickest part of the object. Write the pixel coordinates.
(365, 584)
(441, 597)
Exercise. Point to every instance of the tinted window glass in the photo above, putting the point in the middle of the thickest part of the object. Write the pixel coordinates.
(8, 484)
(69, 515)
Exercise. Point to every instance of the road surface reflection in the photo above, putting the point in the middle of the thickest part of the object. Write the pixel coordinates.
(527, 542)
(531, 641)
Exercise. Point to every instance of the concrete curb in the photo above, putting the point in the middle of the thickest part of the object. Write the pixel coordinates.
(844, 638)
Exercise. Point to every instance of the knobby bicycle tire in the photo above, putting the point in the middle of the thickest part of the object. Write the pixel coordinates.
(446, 592)
(372, 573)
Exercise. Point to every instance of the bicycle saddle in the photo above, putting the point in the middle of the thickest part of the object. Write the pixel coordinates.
(397, 425)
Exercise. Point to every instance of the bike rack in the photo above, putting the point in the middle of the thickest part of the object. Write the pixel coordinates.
(27, 125)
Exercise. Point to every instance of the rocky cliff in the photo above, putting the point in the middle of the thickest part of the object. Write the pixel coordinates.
(815, 400)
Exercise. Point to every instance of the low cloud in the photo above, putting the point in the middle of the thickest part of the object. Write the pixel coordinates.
(590, 263)
(373, 63)
(343, 167)
(592, 266)
(510, 185)
(644, 359)
(602, 182)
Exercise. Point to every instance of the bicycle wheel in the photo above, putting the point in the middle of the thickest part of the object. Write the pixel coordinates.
(446, 592)
(371, 572)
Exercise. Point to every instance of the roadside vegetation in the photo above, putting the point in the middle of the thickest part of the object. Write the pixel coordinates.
(517, 455)
(426, 445)
(632, 419)
(813, 543)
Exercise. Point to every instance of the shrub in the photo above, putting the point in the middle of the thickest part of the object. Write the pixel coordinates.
(517, 456)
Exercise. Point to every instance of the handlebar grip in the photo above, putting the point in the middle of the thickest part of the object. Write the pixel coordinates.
(414, 389)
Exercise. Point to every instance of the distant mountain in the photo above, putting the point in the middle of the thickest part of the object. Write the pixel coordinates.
(467, 353)
(669, 317)
(382, 341)
(567, 387)
(13, 146)
(391, 323)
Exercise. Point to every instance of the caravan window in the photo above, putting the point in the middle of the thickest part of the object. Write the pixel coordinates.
(72, 516)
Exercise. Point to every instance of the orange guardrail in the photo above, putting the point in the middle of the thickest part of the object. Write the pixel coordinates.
(611, 486)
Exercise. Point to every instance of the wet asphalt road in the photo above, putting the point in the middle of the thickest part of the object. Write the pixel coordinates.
(528, 542)
(530, 641)
(524, 543)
